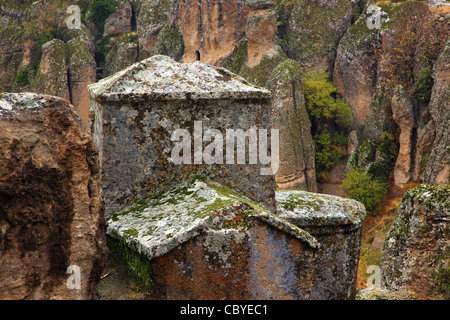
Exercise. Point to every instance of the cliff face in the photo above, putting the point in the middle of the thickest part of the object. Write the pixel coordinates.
(39, 53)
(51, 202)
(387, 74)
(392, 79)
(416, 250)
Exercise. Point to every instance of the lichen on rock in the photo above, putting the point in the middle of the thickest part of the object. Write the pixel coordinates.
(165, 221)
(311, 210)
(417, 246)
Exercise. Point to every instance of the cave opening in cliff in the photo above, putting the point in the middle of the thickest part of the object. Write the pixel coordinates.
(197, 55)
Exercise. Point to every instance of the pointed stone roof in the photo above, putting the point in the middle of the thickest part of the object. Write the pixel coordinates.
(160, 77)
(163, 222)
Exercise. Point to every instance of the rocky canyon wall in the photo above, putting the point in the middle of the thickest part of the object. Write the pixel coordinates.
(258, 40)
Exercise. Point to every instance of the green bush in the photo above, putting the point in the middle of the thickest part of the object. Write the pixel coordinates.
(327, 157)
(388, 148)
(422, 87)
(320, 101)
(363, 187)
(100, 11)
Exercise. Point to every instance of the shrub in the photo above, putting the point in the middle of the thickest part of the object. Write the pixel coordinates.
(327, 157)
(362, 187)
(100, 11)
(320, 102)
(22, 77)
(422, 88)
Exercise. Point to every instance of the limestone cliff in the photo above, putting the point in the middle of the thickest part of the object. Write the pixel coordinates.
(389, 74)
(416, 250)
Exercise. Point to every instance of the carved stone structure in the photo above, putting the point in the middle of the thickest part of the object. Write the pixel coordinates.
(135, 113)
(211, 231)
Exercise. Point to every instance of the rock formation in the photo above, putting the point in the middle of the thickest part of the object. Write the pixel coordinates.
(417, 249)
(40, 53)
(438, 164)
(187, 227)
(52, 226)
(383, 74)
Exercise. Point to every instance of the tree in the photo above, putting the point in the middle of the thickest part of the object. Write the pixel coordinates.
(328, 114)
(363, 187)
(321, 103)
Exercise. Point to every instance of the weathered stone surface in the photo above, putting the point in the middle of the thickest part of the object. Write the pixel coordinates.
(81, 72)
(417, 248)
(403, 115)
(336, 223)
(289, 115)
(51, 77)
(378, 114)
(314, 30)
(355, 69)
(135, 112)
(383, 294)
(41, 54)
(201, 240)
(153, 16)
(51, 208)
(123, 54)
(437, 168)
(261, 32)
(212, 29)
(353, 142)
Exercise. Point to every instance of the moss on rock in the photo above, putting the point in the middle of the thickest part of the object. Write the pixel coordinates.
(171, 40)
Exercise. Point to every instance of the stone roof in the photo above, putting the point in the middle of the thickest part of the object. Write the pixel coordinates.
(312, 210)
(11, 102)
(163, 222)
(160, 77)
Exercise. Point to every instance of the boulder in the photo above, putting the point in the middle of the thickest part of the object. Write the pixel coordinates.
(416, 252)
(81, 72)
(52, 228)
